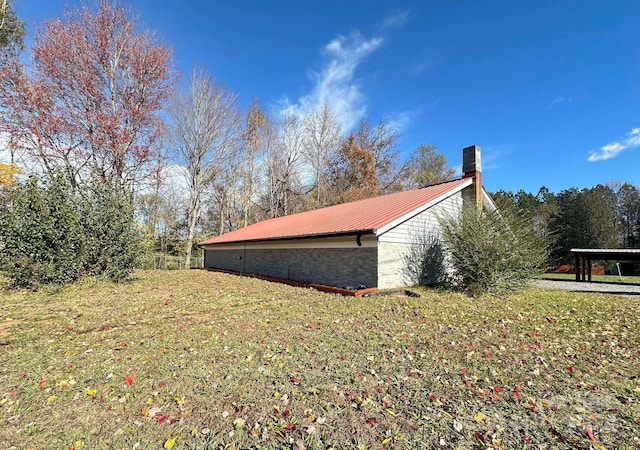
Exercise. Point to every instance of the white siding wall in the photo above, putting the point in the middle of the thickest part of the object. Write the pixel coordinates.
(394, 244)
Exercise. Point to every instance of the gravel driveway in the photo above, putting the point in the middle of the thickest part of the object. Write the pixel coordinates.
(578, 286)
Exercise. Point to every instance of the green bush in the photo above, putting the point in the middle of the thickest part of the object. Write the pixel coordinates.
(111, 235)
(492, 252)
(51, 233)
(41, 238)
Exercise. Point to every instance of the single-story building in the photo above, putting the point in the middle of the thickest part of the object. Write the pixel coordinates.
(361, 243)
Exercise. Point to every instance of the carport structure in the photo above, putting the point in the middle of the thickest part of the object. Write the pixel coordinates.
(584, 256)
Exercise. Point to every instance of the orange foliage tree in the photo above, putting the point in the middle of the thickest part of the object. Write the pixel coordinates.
(352, 173)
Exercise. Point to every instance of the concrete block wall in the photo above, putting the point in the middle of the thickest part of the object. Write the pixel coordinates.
(340, 267)
(392, 271)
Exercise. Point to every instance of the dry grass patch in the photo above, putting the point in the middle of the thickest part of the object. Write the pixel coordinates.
(204, 360)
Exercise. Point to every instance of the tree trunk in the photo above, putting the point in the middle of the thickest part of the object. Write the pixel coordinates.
(192, 220)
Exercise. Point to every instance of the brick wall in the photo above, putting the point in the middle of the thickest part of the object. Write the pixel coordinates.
(339, 267)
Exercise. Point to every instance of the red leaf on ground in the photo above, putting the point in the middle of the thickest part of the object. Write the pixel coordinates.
(290, 426)
(590, 434)
(128, 381)
(161, 417)
(570, 369)
(295, 380)
(41, 383)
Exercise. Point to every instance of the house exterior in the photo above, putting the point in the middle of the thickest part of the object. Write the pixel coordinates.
(352, 245)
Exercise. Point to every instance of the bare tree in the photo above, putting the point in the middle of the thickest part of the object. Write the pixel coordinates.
(253, 137)
(204, 130)
(322, 139)
(381, 143)
(282, 167)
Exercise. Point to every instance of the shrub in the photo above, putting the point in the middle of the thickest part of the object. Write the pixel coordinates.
(492, 252)
(111, 236)
(52, 234)
(41, 238)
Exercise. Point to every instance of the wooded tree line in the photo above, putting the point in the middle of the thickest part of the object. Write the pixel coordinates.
(97, 99)
(605, 216)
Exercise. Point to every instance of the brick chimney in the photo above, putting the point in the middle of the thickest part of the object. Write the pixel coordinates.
(471, 167)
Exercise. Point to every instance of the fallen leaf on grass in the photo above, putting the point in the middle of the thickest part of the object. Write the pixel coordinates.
(170, 443)
(480, 417)
(590, 434)
(128, 381)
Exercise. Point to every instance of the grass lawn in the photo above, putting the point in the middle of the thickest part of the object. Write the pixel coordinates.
(195, 359)
(599, 278)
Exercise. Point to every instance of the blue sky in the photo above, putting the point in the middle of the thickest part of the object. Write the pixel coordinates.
(550, 90)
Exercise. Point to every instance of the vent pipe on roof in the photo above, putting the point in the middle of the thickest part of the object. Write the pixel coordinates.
(471, 167)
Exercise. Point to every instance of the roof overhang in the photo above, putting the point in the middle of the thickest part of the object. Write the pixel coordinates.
(354, 233)
(415, 212)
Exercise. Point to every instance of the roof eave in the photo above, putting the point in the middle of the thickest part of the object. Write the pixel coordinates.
(290, 238)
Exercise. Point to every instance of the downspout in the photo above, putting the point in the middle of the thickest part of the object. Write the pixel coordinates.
(244, 259)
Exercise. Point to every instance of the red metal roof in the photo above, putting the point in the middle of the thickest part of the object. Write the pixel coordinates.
(366, 215)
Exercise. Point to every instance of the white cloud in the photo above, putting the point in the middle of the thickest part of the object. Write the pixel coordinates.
(336, 81)
(493, 156)
(558, 101)
(396, 19)
(399, 122)
(631, 140)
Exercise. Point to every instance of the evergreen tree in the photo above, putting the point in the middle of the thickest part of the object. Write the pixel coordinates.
(584, 220)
